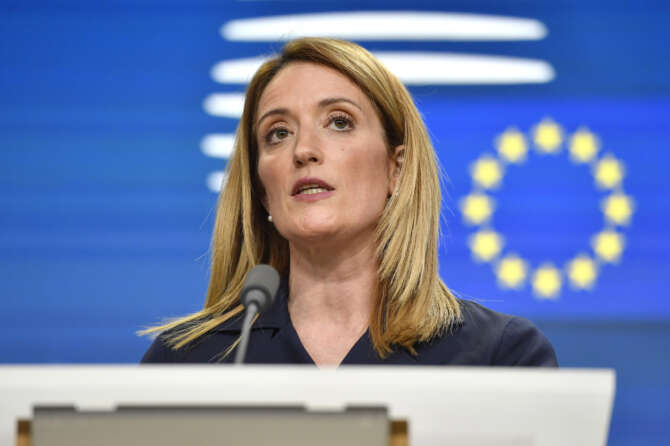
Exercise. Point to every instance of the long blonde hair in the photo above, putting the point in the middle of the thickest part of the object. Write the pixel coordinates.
(413, 304)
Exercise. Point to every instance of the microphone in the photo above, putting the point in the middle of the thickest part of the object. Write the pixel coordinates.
(258, 293)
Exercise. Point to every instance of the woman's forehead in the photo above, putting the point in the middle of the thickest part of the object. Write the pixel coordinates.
(308, 82)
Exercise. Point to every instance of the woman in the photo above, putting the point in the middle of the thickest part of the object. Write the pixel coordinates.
(334, 182)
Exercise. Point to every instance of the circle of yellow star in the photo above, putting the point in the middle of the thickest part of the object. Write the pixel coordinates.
(487, 172)
(608, 172)
(547, 136)
(584, 146)
(618, 208)
(477, 208)
(485, 245)
(512, 146)
(582, 272)
(608, 245)
(547, 281)
(511, 271)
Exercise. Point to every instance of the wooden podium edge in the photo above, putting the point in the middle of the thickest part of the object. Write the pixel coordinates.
(399, 430)
(23, 433)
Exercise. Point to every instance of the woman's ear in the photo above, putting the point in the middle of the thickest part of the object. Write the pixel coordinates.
(395, 167)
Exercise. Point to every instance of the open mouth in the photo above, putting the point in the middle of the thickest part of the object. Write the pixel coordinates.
(311, 186)
(311, 189)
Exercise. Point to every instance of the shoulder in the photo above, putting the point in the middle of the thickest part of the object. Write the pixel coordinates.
(206, 348)
(488, 337)
(161, 352)
(514, 340)
(218, 338)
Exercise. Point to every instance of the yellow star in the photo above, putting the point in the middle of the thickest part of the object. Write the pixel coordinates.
(582, 272)
(512, 146)
(486, 172)
(547, 281)
(485, 245)
(511, 271)
(609, 172)
(608, 245)
(618, 208)
(584, 146)
(476, 208)
(547, 136)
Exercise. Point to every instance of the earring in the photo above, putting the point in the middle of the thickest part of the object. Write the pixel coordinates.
(270, 218)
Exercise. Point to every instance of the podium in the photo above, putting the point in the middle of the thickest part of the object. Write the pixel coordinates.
(440, 405)
(204, 426)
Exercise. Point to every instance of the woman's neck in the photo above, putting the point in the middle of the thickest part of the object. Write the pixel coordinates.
(333, 285)
(332, 293)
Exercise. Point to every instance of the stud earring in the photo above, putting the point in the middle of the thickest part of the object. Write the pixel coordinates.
(270, 218)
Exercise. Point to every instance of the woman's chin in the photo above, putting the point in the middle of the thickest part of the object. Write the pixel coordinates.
(314, 234)
(313, 231)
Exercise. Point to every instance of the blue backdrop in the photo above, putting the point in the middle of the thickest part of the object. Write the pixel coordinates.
(113, 131)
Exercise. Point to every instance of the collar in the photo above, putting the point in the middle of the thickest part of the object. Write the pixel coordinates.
(275, 317)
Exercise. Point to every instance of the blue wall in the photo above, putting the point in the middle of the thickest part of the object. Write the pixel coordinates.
(105, 210)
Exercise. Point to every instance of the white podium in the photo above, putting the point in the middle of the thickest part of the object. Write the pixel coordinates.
(442, 405)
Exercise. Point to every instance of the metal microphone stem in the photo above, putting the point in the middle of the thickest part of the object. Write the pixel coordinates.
(241, 352)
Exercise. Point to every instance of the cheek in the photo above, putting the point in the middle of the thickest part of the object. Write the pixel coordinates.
(267, 178)
(370, 174)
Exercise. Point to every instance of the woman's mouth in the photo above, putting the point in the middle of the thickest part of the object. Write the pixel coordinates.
(311, 189)
(310, 186)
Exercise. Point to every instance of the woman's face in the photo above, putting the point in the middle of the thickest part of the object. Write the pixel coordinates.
(322, 156)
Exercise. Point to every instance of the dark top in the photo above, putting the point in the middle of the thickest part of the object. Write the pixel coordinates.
(484, 338)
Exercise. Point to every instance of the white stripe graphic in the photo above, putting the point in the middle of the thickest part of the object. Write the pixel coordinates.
(218, 145)
(465, 69)
(236, 71)
(225, 105)
(391, 25)
(415, 68)
(216, 180)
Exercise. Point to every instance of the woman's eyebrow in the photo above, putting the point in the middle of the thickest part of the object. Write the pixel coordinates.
(274, 111)
(329, 101)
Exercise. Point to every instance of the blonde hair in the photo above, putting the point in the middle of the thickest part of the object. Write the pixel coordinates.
(414, 305)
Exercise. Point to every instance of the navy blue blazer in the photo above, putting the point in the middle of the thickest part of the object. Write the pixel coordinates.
(484, 338)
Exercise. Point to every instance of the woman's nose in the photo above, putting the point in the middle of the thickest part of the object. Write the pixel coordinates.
(307, 149)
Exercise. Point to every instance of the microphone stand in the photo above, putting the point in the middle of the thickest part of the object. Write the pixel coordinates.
(241, 351)
(257, 294)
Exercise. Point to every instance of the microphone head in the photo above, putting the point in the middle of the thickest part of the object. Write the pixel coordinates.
(260, 287)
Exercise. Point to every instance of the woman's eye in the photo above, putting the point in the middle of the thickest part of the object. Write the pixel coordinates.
(341, 123)
(276, 135)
